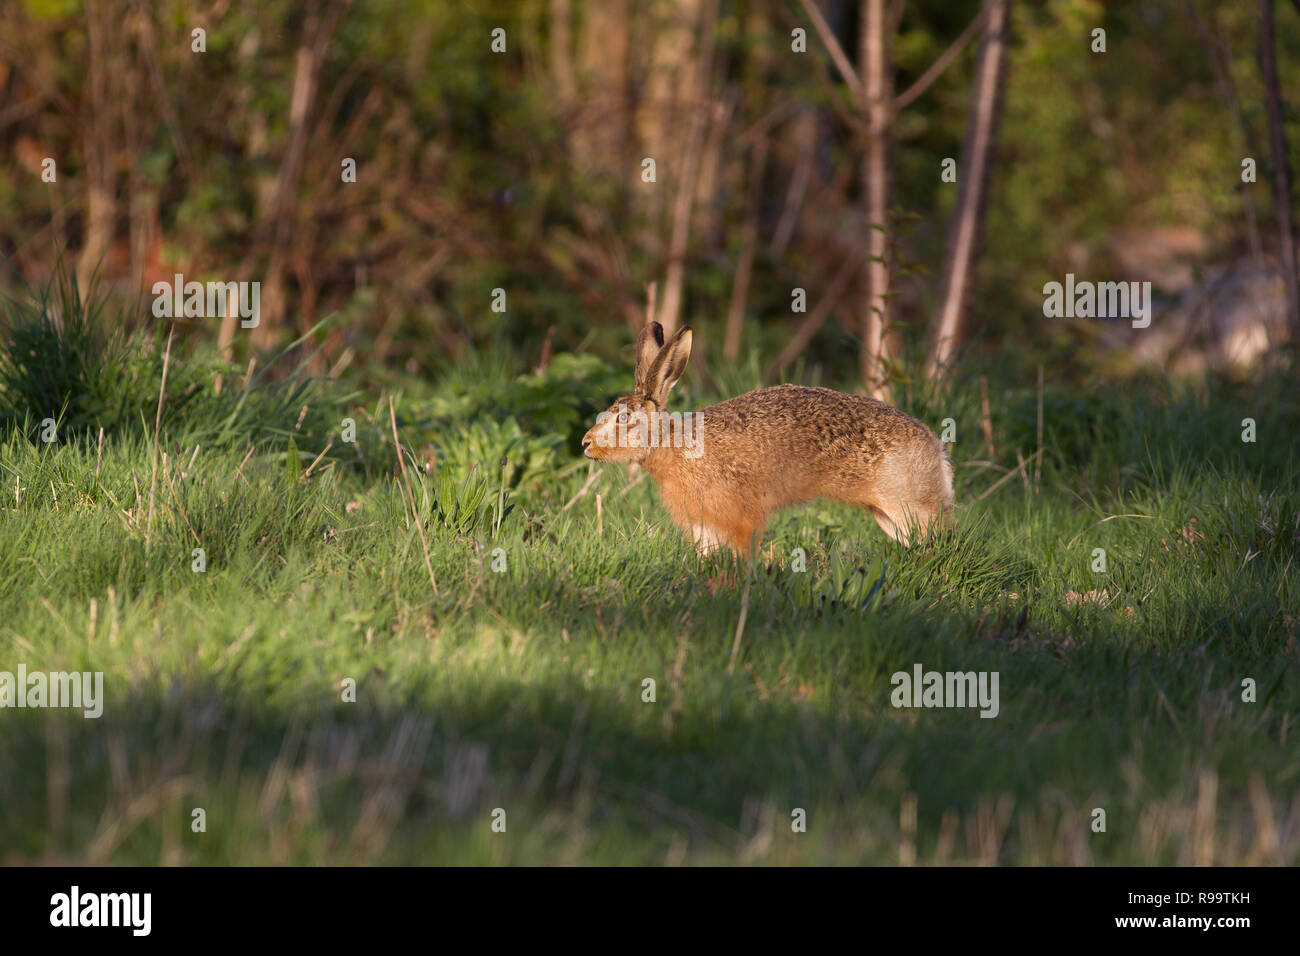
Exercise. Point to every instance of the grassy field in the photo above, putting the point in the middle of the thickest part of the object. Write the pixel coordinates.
(514, 679)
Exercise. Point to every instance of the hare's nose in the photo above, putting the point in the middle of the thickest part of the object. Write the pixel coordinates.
(586, 443)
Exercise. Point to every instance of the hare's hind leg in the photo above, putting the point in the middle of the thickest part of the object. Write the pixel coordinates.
(910, 494)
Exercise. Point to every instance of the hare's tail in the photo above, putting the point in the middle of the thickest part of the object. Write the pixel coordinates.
(948, 496)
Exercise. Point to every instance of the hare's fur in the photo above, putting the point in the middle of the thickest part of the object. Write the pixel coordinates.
(772, 448)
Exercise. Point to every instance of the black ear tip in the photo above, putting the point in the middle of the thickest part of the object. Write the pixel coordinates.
(657, 331)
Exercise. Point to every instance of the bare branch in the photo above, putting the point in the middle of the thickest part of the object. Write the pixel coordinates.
(838, 57)
(830, 298)
(905, 98)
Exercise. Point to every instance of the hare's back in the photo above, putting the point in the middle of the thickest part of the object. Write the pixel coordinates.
(816, 419)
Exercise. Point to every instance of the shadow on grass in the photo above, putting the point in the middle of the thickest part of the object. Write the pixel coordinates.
(586, 770)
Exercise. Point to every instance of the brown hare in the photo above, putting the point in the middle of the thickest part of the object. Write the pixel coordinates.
(724, 470)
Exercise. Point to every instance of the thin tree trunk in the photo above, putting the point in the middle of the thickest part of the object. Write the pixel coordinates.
(675, 275)
(804, 133)
(318, 33)
(665, 91)
(141, 197)
(878, 95)
(1281, 175)
(748, 243)
(601, 132)
(561, 53)
(972, 185)
(99, 146)
(711, 180)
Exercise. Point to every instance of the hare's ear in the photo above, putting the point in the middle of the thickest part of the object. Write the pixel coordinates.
(648, 344)
(668, 366)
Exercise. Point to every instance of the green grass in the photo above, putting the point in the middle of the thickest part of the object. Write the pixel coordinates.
(521, 688)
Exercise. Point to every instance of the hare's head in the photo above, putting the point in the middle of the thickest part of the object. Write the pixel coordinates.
(625, 431)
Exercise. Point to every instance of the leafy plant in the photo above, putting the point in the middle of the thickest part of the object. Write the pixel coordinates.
(469, 507)
(524, 461)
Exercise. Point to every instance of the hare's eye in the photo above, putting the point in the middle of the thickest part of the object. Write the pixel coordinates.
(622, 418)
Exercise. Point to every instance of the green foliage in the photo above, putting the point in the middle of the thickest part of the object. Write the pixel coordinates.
(522, 461)
(66, 359)
(292, 464)
(560, 401)
(88, 362)
(52, 9)
(474, 506)
(514, 432)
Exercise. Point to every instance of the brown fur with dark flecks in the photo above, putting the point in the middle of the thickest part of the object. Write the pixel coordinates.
(772, 448)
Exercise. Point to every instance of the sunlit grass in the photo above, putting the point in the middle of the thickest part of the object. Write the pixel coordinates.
(516, 679)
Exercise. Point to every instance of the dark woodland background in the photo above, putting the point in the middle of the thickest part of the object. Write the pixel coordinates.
(775, 170)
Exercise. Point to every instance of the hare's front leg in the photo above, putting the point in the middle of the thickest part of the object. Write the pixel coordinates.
(739, 537)
(708, 538)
